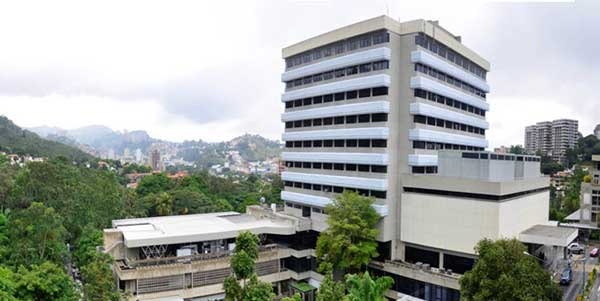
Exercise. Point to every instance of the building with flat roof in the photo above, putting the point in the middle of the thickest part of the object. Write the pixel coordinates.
(552, 138)
(394, 111)
(187, 256)
(397, 111)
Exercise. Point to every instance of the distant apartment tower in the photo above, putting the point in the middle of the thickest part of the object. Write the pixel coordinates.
(597, 131)
(552, 138)
(155, 160)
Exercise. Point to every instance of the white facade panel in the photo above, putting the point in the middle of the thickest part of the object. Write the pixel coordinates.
(351, 182)
(371, 55)
(437, 112)
(319, 201)
(443, 137)
(431, 60)
(448, 223)
(352, 158)
(357, 133)
(378, 106)
(422, 160)
(421, 82)
(378, 80)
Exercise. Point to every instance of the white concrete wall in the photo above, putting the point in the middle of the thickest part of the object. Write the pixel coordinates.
(517, 215)
(455, 224)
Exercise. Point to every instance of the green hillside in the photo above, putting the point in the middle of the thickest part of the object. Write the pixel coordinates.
(14, 140)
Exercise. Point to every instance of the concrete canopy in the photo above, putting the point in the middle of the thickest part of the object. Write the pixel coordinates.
(548, 235)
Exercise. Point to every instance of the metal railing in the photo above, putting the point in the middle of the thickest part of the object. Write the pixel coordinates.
(150, 262)
(420, 267)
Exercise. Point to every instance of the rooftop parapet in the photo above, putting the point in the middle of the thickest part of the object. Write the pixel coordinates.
(488, 166)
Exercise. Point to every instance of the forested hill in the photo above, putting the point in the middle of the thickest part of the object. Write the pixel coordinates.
(16, 140)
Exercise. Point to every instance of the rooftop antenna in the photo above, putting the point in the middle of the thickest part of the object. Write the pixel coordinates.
(387, 9)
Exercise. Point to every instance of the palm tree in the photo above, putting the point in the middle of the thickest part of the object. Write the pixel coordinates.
(363, 287)
(164, 204)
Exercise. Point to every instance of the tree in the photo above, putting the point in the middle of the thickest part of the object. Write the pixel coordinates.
(256, 290)
(505, 272)
(161, 203)
(86, 246)
(4, 241)
(7, 284)
(349, 241)
(330, 289)
(98, 279)
(153, 184)
(243, 266)
(36, 234)
(296, 297)
(363, 287)
(517, 149)
(44, 282)
(247, 242)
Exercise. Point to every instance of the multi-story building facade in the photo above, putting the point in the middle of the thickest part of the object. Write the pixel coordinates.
(370, 108)
(552, 138)
(367, 103)
(394, 111)
(187, 257)
(590, 196)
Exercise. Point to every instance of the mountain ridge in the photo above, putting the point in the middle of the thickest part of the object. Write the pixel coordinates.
(14, 139)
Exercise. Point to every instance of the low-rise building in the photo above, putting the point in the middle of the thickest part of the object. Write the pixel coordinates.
(187, 256)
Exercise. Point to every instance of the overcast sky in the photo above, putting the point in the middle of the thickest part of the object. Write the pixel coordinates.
(211, 69)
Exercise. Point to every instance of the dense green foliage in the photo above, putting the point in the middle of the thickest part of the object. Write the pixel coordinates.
(517, 149)
(45, 205)
(35, 235)
(349, 241)
(243, 267)
(505, 272)
(566, 202)
(330, 289)
(583, 151)
(47, 281)
(15, 140)
(363, 287)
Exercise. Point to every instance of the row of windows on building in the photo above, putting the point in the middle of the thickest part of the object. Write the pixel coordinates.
(438, 146)
(375, 143)
(442, 50)
(335, 189)
(448, 79)
(595, 200)
(341, 96)
(499, 157)
(424, 169)
(339, 47)
(299, 206)
(448, 124)
(338, 73)
(449, 102)
(350, 119)
(337, 166)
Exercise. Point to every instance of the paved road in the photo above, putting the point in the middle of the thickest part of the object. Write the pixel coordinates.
(571, 291)
(595, 294)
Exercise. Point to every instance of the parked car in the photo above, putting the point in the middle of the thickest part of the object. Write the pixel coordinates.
(594, 252)
(575, 248)
(566, 276)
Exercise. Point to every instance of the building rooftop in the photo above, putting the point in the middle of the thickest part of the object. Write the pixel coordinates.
(431, 28)
(178, 229)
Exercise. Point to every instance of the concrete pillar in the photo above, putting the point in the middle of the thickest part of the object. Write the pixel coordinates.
(441, 260)
(399, 251)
